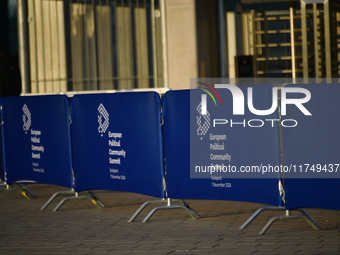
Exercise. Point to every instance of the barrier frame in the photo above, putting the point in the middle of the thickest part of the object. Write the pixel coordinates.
(169, 205)
(276, 207)
(304, 215)
(94, 199)
(91, 195)
(287, 215)
(4, 186)
(167, 200)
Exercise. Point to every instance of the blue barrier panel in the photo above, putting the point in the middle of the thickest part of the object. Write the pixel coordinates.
(312, 148)
(37, 140)
(2, 167)
(246, 145)
(117, 142)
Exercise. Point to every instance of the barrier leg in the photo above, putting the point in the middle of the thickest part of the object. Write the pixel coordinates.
(251, 218)
(309, 219)
(289, 216)
(304, 216)
(170, 206)
(92, 197)
(54, 196)
(23, 190)
(4, 186)
(141, 208)
(26, 192)
(96, 200)
(188, 206)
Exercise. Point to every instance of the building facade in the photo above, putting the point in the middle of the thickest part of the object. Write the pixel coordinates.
(76, 45)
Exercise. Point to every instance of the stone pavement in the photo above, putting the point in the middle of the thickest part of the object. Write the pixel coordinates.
(79, 227)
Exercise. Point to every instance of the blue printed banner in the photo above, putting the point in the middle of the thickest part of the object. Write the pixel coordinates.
(234, 131)
(117, 142)
(177, 147)
(312, 149)
(37, 140)
(2, 166)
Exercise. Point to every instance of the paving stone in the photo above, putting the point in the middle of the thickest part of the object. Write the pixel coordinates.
(81, 228)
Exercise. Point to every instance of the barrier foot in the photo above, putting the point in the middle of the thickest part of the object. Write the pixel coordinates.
(96, 200)
(310, 220)
(255, 214)
(54, 196)
(189, 207)
(26, 192)
(169, 205)
(304, 216)
(92, 197)
(23, 190)
(141, 208)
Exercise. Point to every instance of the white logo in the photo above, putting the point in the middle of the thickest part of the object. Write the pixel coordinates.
(103, 119)
(26, 118)
(238, 100)
(239, 107)
(202, 129)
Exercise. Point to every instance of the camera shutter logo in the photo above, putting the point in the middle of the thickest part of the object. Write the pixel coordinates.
(239, 104)
(26, 118)
(202, 128)
(103, 119)
(203, 121)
